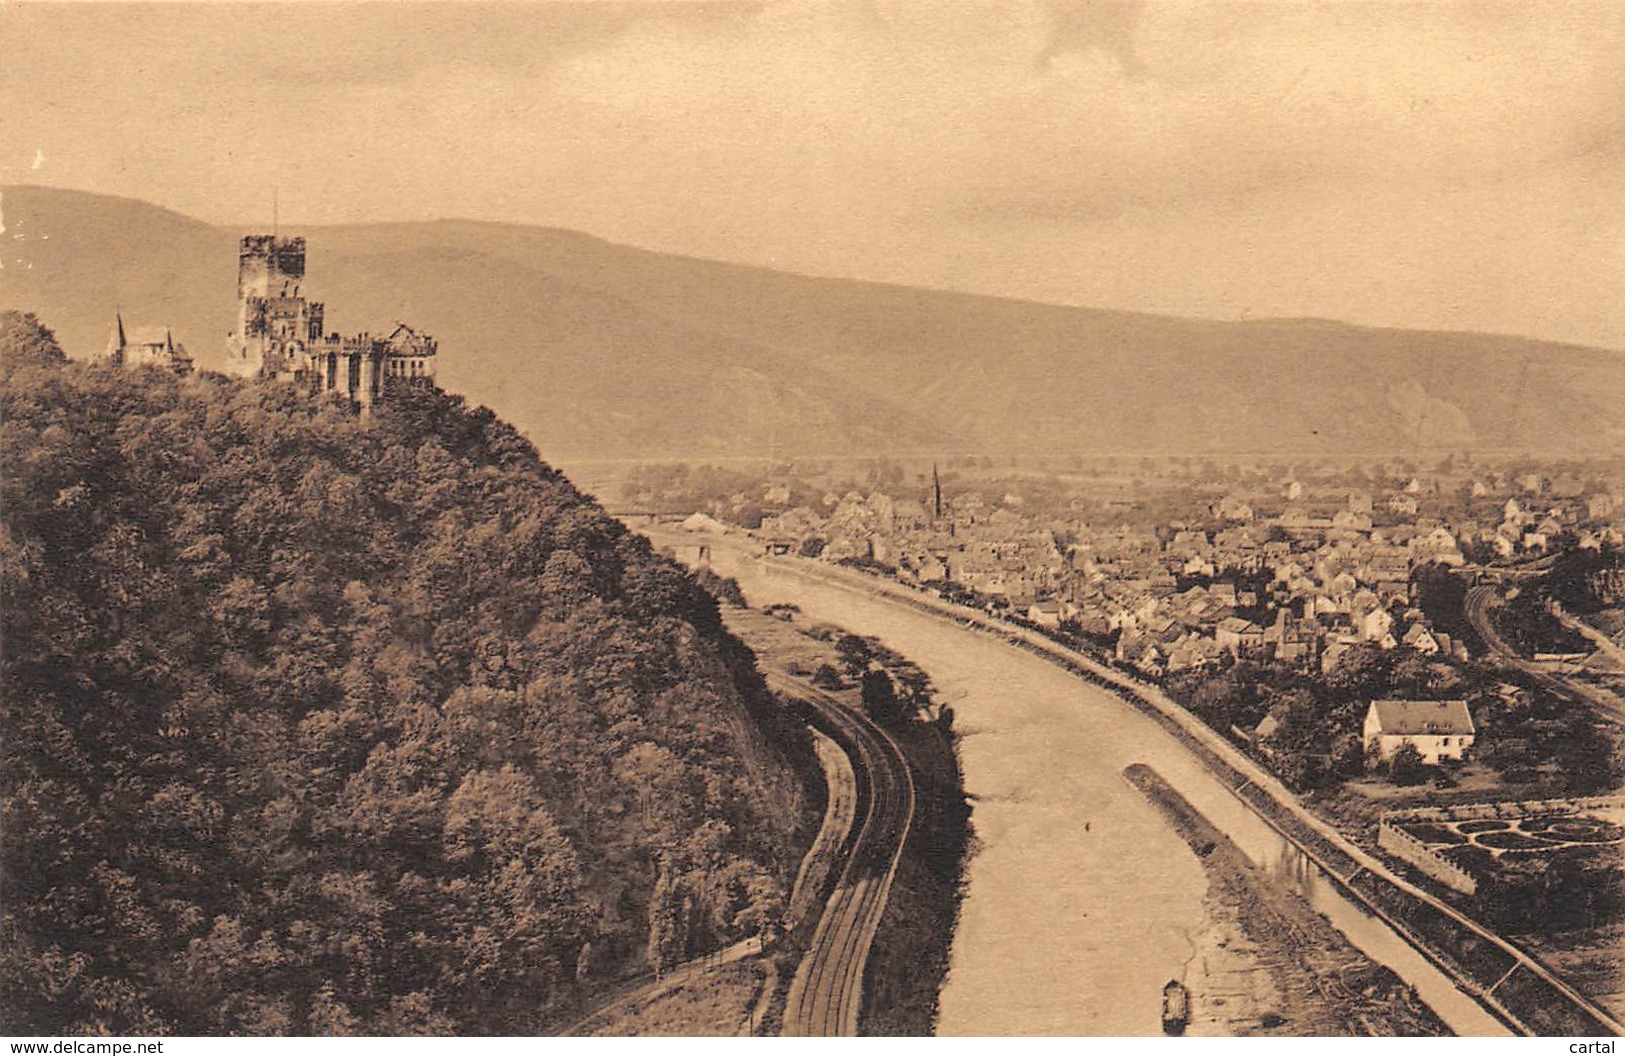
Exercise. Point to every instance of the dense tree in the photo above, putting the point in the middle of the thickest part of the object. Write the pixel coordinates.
(26, 342)
(826, 677)
(1548, 894)
(1405, 766)
(1442, 596)
(1584, 580)
(855, 654)
(320, 725)
(879, 697)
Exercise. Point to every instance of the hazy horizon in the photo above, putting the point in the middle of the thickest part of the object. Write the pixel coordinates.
(296, 227)
(1451, 166)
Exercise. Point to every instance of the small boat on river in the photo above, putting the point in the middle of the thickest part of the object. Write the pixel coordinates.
(1176, 1007)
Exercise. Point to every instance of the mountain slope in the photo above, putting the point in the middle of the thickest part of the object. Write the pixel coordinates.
(607, 351)
(316, 726)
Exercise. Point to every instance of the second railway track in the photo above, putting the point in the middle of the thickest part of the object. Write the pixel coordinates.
(826, 995)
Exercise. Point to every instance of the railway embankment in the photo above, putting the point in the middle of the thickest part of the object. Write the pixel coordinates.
(903, 960)
(909, 960)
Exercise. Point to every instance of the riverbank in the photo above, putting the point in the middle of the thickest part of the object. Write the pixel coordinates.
(1065, 932)
(910, 958)
(1268, 965)
(910, 954)
(1061, 931)
(1477, 980)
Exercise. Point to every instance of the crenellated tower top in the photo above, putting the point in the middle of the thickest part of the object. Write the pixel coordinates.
(269, 266)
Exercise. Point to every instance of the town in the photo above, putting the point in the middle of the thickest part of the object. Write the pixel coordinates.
(1292, 571)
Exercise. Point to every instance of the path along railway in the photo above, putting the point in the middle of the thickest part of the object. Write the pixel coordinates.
(870, 814)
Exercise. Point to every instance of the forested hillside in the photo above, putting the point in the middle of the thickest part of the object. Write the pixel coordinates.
(314, 725)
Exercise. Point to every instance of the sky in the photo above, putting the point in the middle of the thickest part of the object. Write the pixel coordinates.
(1454, 165)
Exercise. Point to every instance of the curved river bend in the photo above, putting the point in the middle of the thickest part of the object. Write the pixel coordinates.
(1079, 898)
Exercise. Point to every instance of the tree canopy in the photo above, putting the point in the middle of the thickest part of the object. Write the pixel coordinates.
(321, 725)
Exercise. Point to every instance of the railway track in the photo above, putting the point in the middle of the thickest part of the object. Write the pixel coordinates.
(826, 994)
(1479, 601)
(1436, 930)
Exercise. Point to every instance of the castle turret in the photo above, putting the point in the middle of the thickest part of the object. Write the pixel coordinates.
(116, 342)
(276, 326)
(150, 346)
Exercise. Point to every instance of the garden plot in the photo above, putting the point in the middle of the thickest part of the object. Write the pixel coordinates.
(1583, 827)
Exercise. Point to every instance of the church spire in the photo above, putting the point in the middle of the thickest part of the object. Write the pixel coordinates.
(115, 339)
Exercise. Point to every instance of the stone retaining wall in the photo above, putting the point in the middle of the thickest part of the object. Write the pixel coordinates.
(1401, 844)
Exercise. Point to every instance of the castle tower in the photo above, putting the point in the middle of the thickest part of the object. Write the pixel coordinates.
(280, 334)
(276, 326)
(268, 266)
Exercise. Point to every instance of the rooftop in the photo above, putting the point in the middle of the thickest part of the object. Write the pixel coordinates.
(1404, 717)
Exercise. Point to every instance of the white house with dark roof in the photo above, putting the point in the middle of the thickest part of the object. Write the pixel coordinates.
(1440, 729)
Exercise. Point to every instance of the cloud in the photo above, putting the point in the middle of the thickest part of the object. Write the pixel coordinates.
(1107, 26)
(1078, 108)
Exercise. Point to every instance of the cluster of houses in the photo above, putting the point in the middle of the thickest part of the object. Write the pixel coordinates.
(1312, 596)
(1306, 584)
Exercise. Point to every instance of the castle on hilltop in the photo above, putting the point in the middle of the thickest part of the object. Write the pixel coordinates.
(279, 332)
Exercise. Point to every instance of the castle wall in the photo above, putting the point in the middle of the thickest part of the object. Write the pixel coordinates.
(280, 334)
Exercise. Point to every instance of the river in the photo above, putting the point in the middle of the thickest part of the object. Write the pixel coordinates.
(1079, 899)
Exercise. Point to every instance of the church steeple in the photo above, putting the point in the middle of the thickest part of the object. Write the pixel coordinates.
(116, 341)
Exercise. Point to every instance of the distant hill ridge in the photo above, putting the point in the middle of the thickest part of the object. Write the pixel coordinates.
(599, 350)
